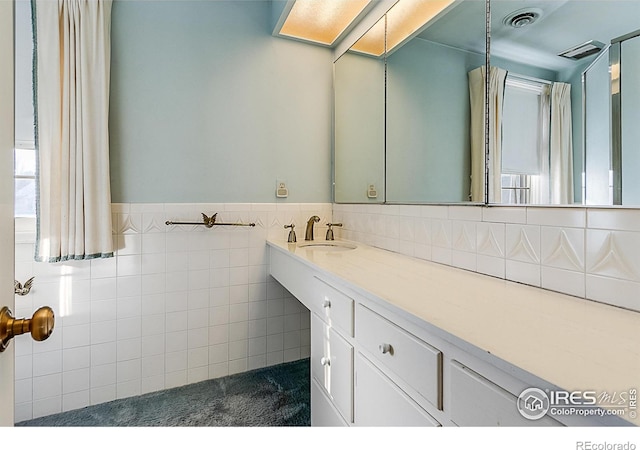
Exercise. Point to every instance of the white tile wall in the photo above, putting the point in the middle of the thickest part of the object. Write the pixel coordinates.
(176, 305)
(181, 304)
(592, 253)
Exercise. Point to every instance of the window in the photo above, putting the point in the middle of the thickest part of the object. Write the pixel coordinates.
(24, 153)
(25, 179)
(525, 141)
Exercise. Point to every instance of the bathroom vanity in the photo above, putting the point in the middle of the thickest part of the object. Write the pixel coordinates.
(397, 341)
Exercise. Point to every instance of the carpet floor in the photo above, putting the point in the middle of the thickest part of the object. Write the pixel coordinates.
(271, 396)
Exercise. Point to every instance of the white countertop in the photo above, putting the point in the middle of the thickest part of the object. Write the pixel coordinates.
(570, 342)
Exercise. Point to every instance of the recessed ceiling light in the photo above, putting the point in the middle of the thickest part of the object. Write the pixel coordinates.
(404, 20)
(320, 21)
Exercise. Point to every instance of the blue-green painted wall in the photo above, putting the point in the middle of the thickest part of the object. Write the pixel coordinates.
(428, 121)
(359, 128)
(208, 106)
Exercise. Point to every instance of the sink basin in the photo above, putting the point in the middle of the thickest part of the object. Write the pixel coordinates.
(327, 246)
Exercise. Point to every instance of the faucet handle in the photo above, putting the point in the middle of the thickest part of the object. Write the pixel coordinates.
(330, 231)
(292, 233)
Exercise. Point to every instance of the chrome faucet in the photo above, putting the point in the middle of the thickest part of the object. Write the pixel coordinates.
(308, 235)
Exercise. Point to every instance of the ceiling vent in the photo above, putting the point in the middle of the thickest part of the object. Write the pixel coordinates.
(583, 50)
(522, 17)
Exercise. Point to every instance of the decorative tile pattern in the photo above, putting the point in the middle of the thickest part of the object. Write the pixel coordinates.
(563, 248)
(441, 233)
(464, 236)
(615, 254)
(523, 243)
(592, 253)
(491, 239)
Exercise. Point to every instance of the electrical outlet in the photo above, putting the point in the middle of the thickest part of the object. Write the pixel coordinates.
(281, 189)
(372, 192)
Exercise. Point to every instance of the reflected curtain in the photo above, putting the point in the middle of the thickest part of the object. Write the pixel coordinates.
(561, 148)
(539, 193)
(497, 78)
(72, 54)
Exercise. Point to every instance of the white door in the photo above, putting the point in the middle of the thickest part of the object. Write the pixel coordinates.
(7, 235)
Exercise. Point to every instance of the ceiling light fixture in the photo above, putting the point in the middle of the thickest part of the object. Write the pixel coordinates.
(404, 20)
(319, 21)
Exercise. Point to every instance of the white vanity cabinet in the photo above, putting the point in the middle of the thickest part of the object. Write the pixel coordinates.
(332, 369)
(375, 363)
(332, 354)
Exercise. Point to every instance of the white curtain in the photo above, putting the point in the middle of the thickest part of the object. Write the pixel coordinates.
(496, 98)
(540, 183)
(71, 84)
(561, 148)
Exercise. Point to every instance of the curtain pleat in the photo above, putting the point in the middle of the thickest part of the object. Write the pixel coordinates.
(540, 183)
(561, 148)
(477, 90)
(72, 54)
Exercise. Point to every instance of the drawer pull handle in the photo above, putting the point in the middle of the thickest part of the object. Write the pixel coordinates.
(326, 304)
(386, 348)
(325, 361)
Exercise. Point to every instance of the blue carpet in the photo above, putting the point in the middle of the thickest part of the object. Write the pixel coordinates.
(271, 396)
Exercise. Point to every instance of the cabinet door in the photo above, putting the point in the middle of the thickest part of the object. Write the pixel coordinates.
(379, 402)
(332, 365)
(323, 413)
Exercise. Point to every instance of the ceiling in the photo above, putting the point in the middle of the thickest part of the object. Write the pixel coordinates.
(563, 24)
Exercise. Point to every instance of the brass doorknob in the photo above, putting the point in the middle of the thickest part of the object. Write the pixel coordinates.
(40, 325)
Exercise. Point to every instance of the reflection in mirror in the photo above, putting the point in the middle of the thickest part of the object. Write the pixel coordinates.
(425, 102)
(627, 101)
(565, 137)
(359, 79)
(428, 107)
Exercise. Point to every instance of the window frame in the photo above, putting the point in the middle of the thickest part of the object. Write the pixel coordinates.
(24, 145)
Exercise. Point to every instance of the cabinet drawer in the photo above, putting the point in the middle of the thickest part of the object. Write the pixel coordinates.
(405, 356)
(476, 401)
(379, 402)
(323, 414)
(335, 307)
(332, 365)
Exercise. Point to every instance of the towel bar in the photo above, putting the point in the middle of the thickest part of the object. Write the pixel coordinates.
(210, 222)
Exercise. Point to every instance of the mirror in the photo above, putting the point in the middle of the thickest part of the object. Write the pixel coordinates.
(569, 123)
(428, 107)
(359, 114)
(402, 117)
